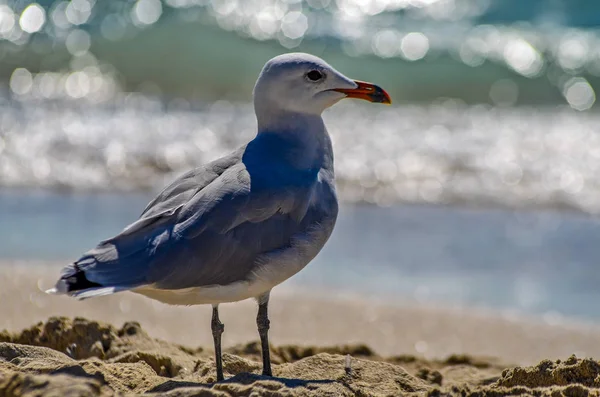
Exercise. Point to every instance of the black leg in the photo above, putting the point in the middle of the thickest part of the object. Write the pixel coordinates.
(217, 329)
(262, 321)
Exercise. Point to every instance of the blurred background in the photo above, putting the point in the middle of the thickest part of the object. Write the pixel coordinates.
(478, 187)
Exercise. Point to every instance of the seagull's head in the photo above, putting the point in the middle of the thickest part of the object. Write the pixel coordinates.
(303, 83)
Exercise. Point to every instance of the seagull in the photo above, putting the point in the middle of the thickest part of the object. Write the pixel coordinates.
(238, 226)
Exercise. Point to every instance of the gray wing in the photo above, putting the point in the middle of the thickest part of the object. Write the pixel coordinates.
(185, 187)
(204, 236)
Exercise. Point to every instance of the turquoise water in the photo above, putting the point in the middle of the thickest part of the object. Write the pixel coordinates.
(498, 52)
(532, 262)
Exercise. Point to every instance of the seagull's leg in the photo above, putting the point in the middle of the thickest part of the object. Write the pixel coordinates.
(217, 329)
(262, 321)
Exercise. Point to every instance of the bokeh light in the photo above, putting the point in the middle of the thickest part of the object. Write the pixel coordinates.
(579, 93)
(414, 46)
(7, 20)
(21, 81)
(33, 18)
(146, 12)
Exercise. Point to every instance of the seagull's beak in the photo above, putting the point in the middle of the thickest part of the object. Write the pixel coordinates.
(367, 91)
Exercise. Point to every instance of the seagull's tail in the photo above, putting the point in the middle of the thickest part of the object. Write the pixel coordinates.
(72, 278)
(73, 282)
(118, 264)
(91, 276)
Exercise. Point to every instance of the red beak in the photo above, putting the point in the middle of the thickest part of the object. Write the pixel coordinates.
(367, 91)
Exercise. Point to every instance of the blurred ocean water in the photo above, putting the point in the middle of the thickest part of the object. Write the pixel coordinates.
(494, 100)
(494, 106)
(535, 262)
(481, 51)
(444, 153)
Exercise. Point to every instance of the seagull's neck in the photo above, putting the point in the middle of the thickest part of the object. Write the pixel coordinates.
(306, 139)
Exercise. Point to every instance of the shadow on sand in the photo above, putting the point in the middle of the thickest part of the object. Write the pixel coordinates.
(243, 378)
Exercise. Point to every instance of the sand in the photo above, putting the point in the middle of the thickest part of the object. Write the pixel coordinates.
(79, 357)
(330, 344)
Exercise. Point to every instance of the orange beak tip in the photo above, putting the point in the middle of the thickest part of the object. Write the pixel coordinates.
(367, 91)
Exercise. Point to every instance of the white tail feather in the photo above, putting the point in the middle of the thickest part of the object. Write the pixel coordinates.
(95, 292)
(60, 288)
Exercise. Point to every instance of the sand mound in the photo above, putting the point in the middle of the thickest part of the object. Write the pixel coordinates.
(64, 357)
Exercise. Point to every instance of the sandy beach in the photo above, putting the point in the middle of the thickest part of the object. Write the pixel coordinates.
(129, 344)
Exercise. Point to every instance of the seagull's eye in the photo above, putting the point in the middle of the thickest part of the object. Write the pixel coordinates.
(314, 75)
